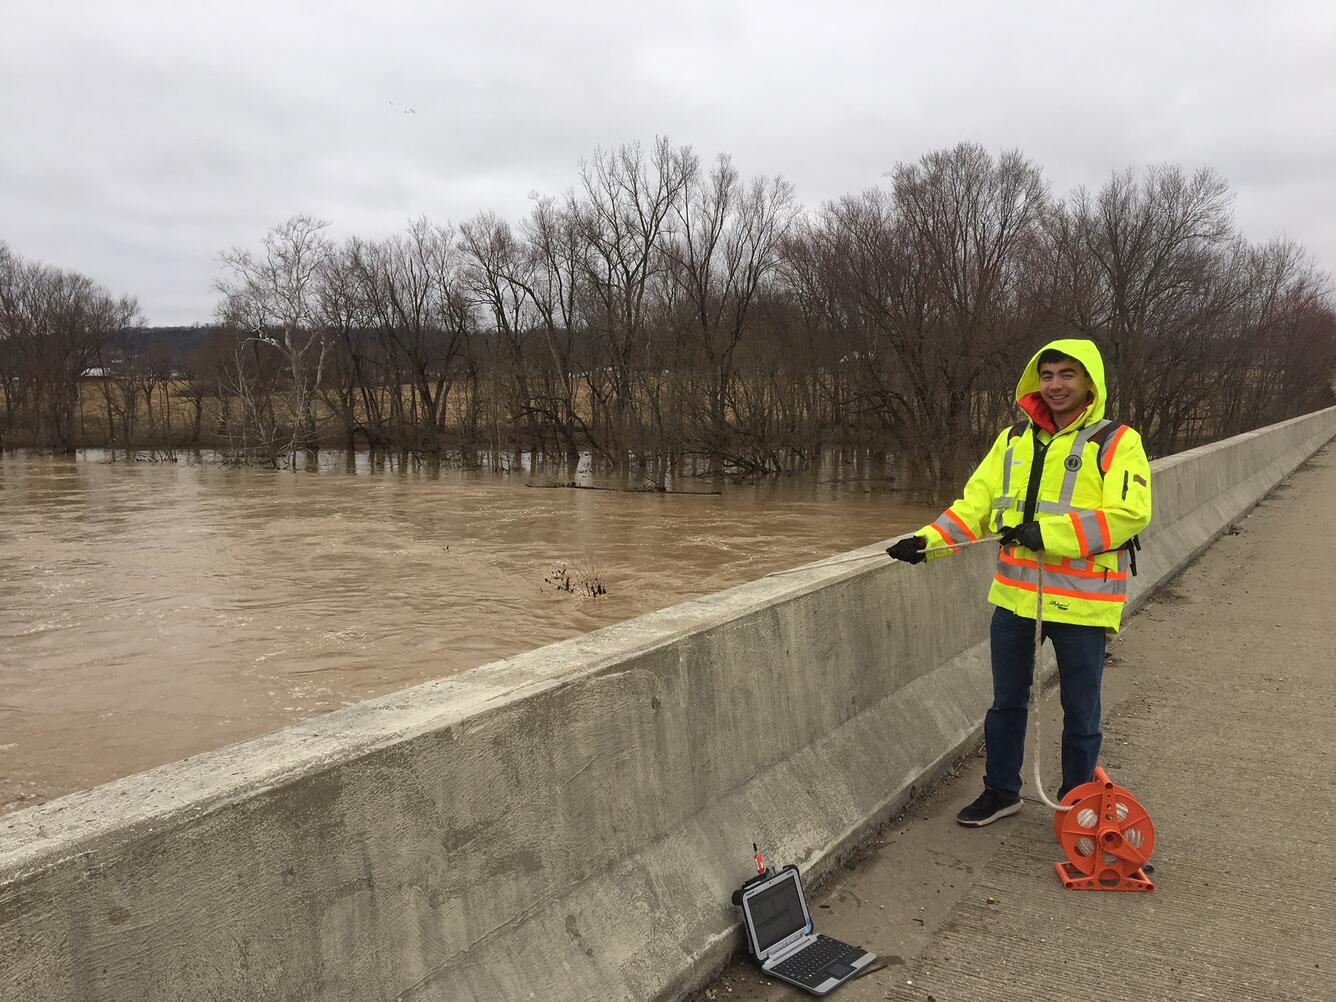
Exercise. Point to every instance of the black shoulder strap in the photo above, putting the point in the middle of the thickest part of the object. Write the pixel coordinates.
(1018, 429)
(1102, 436)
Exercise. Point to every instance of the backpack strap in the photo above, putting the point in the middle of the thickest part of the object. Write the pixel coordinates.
(1018, 429)
(1107, 439)
(1103, 435)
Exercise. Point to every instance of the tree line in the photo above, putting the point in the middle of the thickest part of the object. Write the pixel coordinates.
(666, 311)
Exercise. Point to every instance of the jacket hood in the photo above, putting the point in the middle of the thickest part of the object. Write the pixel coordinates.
(1029, 399)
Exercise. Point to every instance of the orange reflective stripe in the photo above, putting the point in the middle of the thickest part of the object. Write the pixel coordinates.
(960, 522)
(944, 538)
(1060, 592)
(1103, 521)
(1112, 448)
(1082, 544)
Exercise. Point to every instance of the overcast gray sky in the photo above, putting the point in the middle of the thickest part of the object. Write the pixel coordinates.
(139, 139)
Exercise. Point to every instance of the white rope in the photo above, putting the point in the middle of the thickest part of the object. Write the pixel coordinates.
(1036, 686)
(882, 554)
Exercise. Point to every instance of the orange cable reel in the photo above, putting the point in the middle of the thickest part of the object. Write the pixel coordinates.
(1108, 837)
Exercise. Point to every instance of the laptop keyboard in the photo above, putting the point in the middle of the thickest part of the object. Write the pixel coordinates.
(807, 965)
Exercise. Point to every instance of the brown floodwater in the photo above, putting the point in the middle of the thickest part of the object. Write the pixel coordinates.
(152, 611)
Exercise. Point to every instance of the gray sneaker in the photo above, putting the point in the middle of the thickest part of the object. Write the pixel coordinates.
(990, 805)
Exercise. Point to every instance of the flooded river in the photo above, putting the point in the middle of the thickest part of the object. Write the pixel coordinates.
(149, 612)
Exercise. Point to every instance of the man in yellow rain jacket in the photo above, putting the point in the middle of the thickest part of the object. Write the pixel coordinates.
(1073, 489)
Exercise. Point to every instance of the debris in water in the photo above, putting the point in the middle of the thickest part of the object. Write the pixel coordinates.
(582, 579)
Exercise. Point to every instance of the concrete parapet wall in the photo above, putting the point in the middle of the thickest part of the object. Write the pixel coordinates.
(1198, 493)
(565, 824)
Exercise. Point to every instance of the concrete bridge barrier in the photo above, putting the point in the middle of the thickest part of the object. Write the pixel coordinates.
(564, 824)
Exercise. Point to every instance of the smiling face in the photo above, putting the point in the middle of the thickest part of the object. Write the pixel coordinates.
(1066, 389)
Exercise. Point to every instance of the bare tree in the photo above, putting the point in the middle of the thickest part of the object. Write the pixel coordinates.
(722, 246)
(1155, 245)
(53, 324)
(966, 217)
(557, 250)
(628, 197)
(13, 325)
(273, 297)
(501, 279)
(414, 293)
(353, 395)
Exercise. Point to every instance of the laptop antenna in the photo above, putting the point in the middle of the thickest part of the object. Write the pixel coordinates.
(760, 863)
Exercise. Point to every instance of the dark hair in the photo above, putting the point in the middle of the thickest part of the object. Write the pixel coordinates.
(1051, 356)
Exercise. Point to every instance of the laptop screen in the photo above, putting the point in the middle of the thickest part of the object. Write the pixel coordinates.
(776, 912)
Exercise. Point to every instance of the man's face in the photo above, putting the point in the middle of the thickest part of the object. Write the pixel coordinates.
(1064, 387)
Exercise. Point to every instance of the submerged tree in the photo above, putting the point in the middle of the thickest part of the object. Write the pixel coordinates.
(273, 299)
(722, 247)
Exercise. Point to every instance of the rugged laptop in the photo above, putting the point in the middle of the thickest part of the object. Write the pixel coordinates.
(779, 932)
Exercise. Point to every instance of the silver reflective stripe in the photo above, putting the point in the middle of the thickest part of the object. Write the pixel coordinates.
(1055, 578)
(1006, 463)
(1046, 507)
(1003, 505)
(1094, 534)
(950, 529)
(1079, 441)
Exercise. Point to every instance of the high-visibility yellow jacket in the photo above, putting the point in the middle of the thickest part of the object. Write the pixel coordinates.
(1091, 498)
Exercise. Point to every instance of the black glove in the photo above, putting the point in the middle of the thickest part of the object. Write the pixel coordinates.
(910, 550)
(1027, 534)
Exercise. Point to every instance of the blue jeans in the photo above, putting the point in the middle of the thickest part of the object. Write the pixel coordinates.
(1080, 651)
